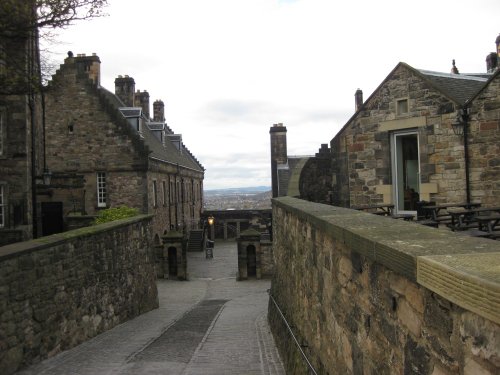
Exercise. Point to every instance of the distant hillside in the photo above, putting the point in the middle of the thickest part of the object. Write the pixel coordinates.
(237, 191)
(238, 198)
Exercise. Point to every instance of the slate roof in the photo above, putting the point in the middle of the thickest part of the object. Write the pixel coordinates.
(458, 87)
(166, 152)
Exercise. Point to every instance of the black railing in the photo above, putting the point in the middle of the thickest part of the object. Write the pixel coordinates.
(299, 346)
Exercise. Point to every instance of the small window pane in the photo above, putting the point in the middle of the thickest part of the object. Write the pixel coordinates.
(101, 189)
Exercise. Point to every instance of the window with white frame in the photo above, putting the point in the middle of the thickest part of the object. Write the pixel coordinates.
(2, 206)
(101, 189)
(155, 194)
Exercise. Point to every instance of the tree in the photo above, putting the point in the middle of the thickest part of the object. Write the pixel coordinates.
(22, 23)
(18, 17)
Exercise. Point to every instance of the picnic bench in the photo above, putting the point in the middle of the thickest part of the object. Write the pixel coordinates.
(381, 209)
(440, 213)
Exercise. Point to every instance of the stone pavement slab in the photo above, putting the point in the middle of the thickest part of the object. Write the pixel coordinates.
(211, 324)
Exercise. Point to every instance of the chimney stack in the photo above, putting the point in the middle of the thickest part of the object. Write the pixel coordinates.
(124, 89)
(142, 99)
(91, 65)
(491, 62)
(278, 154)
(158, 111)
(358, 98)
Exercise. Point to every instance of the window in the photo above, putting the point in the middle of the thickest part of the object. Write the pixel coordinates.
(164, 187)
(101, 189)
(2, 59)
(402, 107)
(2, 206)
(155, 194)
(2, 130)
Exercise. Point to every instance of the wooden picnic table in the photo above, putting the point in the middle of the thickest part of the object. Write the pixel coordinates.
(383, 209)
(489, 223)
(465, 218)
(436, 208)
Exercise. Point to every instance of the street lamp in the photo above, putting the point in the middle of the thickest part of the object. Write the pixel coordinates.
(211, 220)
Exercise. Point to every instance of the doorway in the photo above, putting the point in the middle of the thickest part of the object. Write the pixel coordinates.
(172, 262)
(405, 171)
(251, 261)
(52, 218)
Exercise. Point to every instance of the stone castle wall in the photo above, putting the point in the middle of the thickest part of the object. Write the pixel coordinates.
(61, 290)
(365, 294)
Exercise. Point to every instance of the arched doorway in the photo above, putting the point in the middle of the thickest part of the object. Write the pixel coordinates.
(251, 261)
(172, 262)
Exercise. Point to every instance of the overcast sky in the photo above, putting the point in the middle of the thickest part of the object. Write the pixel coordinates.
(229, 69)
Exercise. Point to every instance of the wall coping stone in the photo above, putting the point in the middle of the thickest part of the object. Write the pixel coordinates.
(25, 247)
(462, 269)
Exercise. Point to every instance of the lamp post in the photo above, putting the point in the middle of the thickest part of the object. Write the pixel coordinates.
(211, 221)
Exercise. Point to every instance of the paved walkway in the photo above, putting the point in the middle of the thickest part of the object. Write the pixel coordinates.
(211, 324)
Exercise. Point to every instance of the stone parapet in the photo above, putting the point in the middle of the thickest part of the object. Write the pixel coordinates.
(60, 290)
(370, 294)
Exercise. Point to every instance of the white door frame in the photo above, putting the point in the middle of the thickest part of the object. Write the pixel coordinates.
(395, 166)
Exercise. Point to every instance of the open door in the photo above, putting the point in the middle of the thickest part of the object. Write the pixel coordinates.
(405, 171)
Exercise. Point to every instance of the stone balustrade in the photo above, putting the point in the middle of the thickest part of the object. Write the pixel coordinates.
(366, 294)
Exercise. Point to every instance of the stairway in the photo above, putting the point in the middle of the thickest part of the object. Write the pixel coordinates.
(195, 242)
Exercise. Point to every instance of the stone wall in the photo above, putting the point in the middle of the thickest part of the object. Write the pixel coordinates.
(373, 295)
(60, 290)
(485, 145)
(361, 151)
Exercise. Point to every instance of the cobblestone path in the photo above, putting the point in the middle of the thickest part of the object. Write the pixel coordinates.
(209, 325)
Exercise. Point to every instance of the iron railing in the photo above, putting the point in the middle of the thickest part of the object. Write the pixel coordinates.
(299, 346)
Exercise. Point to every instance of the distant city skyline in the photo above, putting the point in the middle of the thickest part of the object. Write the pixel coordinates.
(228, 70)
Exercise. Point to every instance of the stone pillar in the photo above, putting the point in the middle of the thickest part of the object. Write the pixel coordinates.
(174, 256)
(238, 229)
(225, 230)
(249, 255)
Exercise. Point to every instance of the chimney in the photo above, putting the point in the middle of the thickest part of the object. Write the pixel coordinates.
(454, 69)
(497, 42)
(358, 98)
(278, 154)
(90, 65)
(142, 100)
(158, 111)
(124, 89)
(491, 62)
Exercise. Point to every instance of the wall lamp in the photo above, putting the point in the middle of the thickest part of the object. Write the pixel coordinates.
(211, 220)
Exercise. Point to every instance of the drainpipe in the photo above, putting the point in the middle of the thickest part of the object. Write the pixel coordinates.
(465, 118)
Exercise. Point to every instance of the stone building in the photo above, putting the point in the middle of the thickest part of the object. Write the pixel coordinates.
(307, 177)
(421, 135)
(21, 132)
(105, 151)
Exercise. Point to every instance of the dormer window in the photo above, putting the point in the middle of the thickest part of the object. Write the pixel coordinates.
(402, 107)
(134, 117)
(176, 139)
